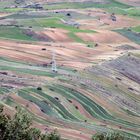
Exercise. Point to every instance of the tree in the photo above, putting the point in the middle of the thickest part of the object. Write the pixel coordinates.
(3, 122)
(109, 136)
(19, 127)
(53, 136)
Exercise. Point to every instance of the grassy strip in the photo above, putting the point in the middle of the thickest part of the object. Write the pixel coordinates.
(130, 35)
(54, 23)
(11, 10)
(94, 109)
(14, 33)
(28, 71)
(132, 12)
(136, 29)
(56, 105)
(80, 5)
(46, 108)
(3, 90)
(75, 37)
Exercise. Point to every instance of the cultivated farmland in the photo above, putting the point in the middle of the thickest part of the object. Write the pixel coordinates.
(73, 65)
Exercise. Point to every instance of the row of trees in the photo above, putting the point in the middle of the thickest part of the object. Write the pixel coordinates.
(19, 127)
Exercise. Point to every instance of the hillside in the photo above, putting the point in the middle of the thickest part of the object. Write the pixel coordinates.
(73, 65)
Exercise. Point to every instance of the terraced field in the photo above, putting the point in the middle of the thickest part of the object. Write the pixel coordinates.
(97, 51)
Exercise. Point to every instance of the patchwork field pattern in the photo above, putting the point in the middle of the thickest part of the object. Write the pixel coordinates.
(97, 51)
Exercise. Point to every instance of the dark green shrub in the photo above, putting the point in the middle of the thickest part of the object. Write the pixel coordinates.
(109, 136)
(19, 127)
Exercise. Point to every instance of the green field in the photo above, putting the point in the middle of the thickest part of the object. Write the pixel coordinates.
(14, 33)
(18, 33)
(78, 5)
(54, 23)
(136, 29)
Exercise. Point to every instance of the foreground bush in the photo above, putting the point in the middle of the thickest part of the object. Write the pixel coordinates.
(19, 127)
(109, 136)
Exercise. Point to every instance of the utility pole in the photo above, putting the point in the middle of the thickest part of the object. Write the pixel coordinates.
(54, 66)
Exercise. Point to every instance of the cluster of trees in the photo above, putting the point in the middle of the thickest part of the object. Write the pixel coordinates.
(109, 136)
(19, 127)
